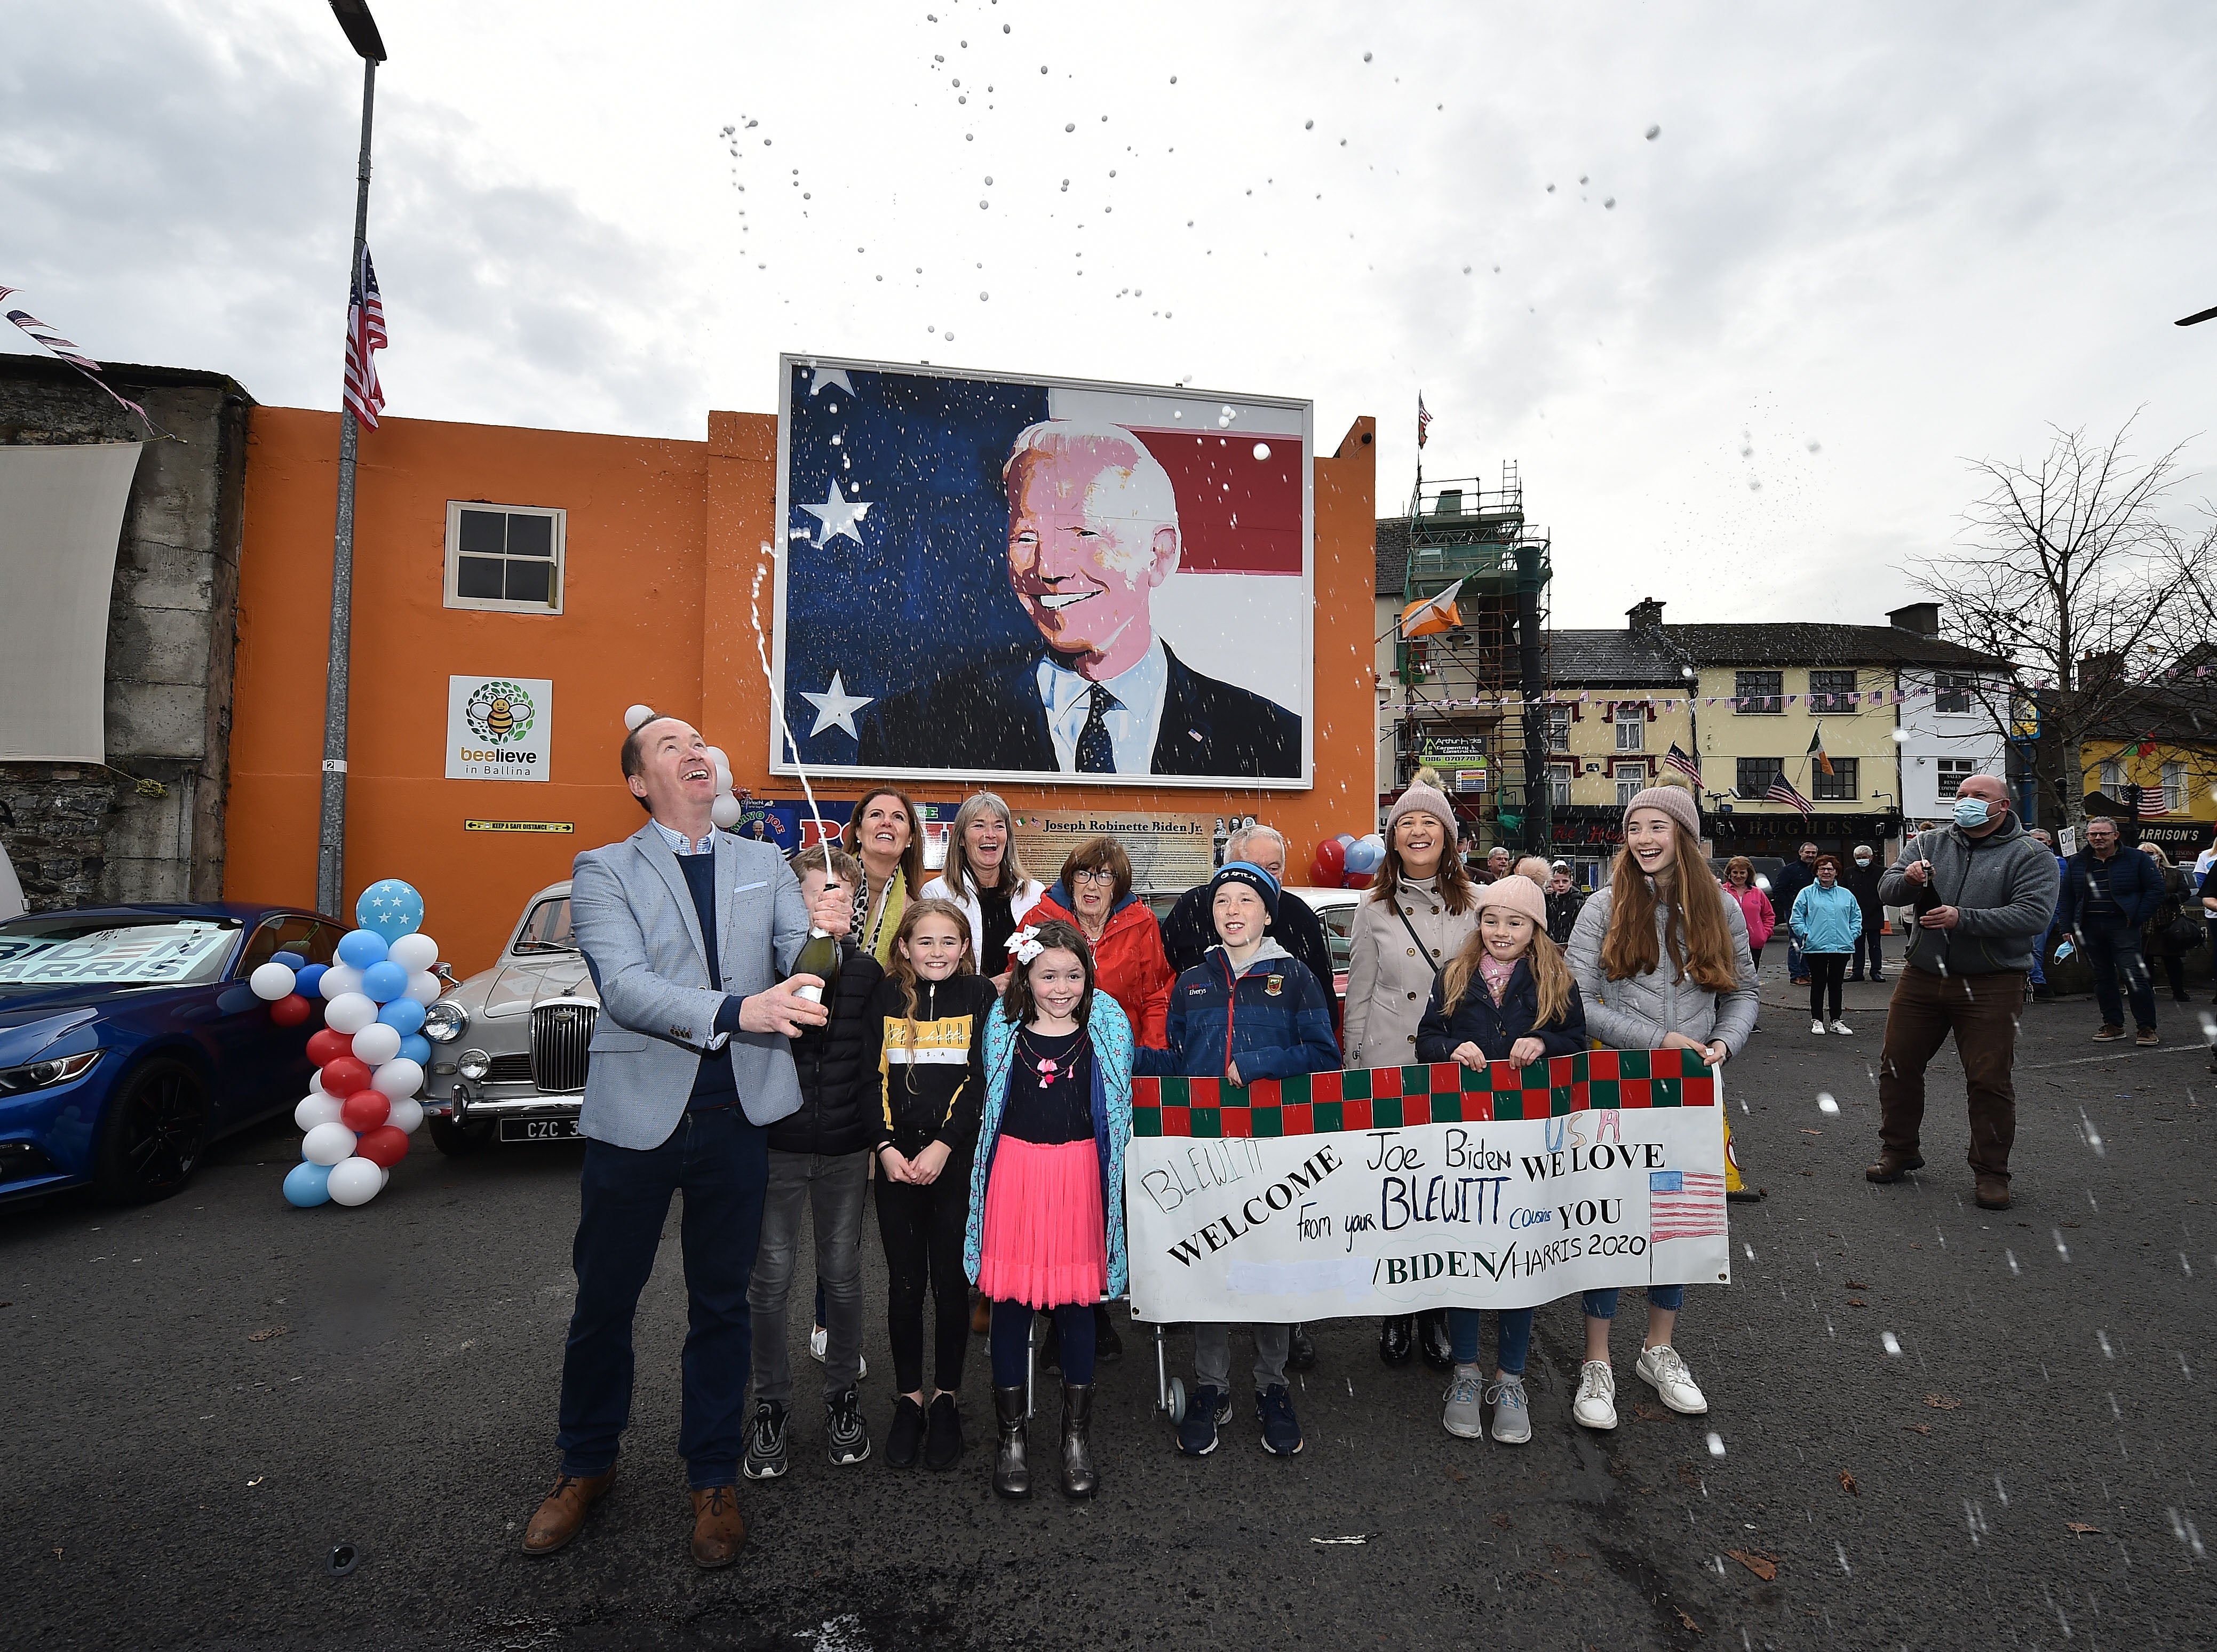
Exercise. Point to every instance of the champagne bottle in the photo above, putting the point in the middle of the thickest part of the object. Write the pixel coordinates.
(819, 957)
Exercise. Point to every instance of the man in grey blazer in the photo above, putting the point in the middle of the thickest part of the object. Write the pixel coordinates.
(688, 932)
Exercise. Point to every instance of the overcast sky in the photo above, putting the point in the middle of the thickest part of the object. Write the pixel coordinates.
(1739, 361)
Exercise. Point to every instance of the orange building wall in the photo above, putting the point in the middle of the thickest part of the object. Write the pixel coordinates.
(664, 540)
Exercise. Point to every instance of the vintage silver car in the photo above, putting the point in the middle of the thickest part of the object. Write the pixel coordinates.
(508, 1045)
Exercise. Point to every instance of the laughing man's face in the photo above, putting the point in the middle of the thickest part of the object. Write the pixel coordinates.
(1082, 565)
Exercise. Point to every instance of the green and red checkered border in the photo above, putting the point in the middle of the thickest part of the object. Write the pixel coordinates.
(1392, 1098)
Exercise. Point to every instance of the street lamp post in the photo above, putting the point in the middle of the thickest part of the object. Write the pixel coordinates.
(330, 847)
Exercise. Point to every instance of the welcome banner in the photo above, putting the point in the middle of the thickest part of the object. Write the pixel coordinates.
(1399, 1188)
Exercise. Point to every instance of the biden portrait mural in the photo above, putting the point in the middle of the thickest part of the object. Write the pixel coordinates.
(994, 578)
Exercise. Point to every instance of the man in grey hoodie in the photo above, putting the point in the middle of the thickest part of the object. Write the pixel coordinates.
(1984, 890)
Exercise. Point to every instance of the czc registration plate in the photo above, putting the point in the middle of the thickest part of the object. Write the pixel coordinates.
(537, 1130)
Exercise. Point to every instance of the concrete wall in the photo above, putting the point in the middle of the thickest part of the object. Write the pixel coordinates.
(150, 827)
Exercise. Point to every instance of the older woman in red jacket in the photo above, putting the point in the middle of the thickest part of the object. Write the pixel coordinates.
(1094, 892)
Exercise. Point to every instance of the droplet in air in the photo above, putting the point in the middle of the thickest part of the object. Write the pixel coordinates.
(1890, 1342)
(1551, 189)
(1825, 1103)
(1366, 56)
(1900, 736)
(1653, 133)
(1308, 126)
(1609, 205)
(1042, 68)
(1582, 177)
(983, 204)
(1716, 1444)
(989, 184)
(982, 296)
(1067, 125)
(1465, 269)
(1173, 80)
(1262, 450)
(1005, 28)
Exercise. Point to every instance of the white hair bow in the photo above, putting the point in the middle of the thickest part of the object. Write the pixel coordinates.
(1025, 945)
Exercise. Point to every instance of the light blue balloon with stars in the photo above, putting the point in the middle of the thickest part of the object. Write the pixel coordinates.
(389, 907)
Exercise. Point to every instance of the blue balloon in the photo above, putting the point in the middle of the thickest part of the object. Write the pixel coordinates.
(389, 907)
(404, 1014)
(306, 982)
(361, 948)
(384, 982)
(417, 1049)
(307, 1185)
(292, 961)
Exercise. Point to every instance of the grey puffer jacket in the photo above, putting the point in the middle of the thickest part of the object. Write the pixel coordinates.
(2004, 884)
(1388, 981)
(1637, 1013)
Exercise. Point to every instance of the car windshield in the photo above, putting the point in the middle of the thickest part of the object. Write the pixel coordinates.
(69, 949)
(548, 929)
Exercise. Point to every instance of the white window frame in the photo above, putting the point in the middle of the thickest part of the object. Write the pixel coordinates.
(559, 577)
(1631, 728)
(2174, 788)
(1633, 775)
(1944, 777)
(2111, 778)
(1559, 777)
(1559, 728)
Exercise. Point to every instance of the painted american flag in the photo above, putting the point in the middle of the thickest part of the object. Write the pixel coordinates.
(1685, 1205)
(365, 336)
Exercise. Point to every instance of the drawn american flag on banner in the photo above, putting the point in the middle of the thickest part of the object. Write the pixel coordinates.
(365, 335)
(1685, 1205)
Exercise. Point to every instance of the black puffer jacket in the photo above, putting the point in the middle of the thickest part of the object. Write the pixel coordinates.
(838, 1068)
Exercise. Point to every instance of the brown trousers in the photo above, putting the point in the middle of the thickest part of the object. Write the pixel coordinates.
(1981, 1011)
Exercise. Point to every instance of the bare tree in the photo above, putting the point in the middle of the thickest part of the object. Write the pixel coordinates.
(2068, 569)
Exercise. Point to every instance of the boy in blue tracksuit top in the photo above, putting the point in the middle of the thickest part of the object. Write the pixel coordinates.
(1249, 1010)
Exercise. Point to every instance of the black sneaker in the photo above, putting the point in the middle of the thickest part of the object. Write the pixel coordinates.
(1281, 1431)
(1300, 1349)
(905, 1438)
(1108, 1347)
(766, 1442)
(845, 1433)
(942, 1447)
(1204, 1408)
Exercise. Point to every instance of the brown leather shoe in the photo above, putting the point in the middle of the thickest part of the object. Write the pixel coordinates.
(1993, 1193)
(2109, 1033)
(719, 1530)
(1892, 1167)
(981, 1316)
(2146, 1038)
(563, 1512)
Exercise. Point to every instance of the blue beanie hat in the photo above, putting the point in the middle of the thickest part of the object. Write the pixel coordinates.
(1247, 872)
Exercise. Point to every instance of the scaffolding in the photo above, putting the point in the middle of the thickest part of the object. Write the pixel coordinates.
(1474, 700)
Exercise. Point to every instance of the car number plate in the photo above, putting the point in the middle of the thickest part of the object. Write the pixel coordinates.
(537, 1130)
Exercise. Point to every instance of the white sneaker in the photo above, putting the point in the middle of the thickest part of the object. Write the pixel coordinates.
(1661, 1369)
(1817, 1027)
(1841, 1029)
(1595, 1405)
(819, 1339)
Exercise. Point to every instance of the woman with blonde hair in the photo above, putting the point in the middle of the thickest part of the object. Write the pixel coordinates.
(984, 877)
(1662, 962)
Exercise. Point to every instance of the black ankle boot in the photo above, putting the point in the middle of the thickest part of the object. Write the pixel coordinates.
(1012, 1477)
(1078, 1479)
(1432, 1339)
(1397, 1339)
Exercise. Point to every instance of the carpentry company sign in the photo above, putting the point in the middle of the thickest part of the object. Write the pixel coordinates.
(1402, 1188)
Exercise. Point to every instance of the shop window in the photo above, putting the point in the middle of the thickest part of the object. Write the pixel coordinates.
(1841, 786)
(1832, 692)
(1753, 776)
(507, 558)
(1758, 692)
(1631, 780)
(1953, 772)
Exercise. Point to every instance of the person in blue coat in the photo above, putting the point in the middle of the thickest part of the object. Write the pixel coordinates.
(1827, 921)
(2108, 898)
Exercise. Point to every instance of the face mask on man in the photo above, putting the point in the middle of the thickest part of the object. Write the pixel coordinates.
(1862, 860)
(1970, 813)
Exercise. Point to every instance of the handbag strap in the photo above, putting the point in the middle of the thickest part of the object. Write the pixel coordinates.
(1402, 913)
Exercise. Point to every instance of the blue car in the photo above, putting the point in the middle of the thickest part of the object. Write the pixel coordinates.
(130, 1039)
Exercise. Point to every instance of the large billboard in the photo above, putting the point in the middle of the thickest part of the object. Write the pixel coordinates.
(993, 577)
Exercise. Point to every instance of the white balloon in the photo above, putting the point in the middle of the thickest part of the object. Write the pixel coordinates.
(396, 1077)
(339, 980)
(272, 982)
(725, 812)
(723, 766)
(316, 1083)
(636, 715)
(377, 1043)
(328, 1144)
(349, 1013)
(313, 1110)
(424, 988)
(407, 1116)
(356, 1181)
(384, 1175)
(414, 952)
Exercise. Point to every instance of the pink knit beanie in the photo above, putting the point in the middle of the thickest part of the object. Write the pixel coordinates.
(1518, 894)
(1423, 799)
(1674, 801)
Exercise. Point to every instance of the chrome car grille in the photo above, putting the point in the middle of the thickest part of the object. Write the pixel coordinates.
(561, 1030)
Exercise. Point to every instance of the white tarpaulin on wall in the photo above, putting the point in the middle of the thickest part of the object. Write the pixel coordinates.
(61, 515)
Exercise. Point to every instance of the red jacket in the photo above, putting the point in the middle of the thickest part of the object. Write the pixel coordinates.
(1129, 963)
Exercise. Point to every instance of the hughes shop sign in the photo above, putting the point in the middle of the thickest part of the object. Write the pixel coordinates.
(497, 727)
(1402, 1188)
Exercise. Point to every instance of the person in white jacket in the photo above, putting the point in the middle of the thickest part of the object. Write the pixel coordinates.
(985, 878)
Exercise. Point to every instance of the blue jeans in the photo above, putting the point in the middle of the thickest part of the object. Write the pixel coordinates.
(1602, 1304)
(2115, 952)
(721, 1162)
(1512, 1331)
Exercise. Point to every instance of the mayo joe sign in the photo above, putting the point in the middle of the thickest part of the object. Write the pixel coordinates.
(1401, 1188)
(497, 728)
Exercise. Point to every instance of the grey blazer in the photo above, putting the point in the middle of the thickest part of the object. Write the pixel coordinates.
(635, 921)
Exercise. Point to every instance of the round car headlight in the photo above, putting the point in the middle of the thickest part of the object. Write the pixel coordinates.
(474, 1065)
(445, 1021)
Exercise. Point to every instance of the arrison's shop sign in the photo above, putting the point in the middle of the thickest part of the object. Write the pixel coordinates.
(497, 728)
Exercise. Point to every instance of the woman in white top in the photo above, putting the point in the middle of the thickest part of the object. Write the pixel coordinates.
(984, 877)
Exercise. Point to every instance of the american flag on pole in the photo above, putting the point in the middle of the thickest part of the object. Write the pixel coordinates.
(365, 335)
(1423, 419)
(1781, 791)
(1685, 1205)
(1685, 762)
(2154, 800)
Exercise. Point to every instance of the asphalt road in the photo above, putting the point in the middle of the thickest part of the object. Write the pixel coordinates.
(206, 1396)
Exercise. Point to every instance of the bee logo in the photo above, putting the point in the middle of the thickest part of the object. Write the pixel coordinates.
(501, 713)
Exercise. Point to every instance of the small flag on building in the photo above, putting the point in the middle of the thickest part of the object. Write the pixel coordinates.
(1433, 615)
(2154, 800)
(1781, 791)
(70, 352)
(1423, 419)
(1684, 762)
(365, 336)
(1816, 751)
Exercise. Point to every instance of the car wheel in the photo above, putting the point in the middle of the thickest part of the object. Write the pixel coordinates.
(152, 1133)
(458, 1141)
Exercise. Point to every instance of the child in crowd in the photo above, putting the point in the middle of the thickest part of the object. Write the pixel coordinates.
(1047, 1207)
(930, 1012)
(820, 1155)
(1249, 1010)
(1508, 995)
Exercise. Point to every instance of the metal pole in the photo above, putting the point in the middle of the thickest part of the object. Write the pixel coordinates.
(1532, 675)
(331, 848)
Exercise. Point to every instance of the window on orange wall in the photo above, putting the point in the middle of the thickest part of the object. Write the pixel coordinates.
(505, 558)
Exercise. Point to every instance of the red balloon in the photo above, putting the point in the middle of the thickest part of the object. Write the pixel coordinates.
(290, 1010)
(345, 1076)
(1358, 880)
(383, 1146)
(1330, 864)
(327, 1046)
(365, 1109)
